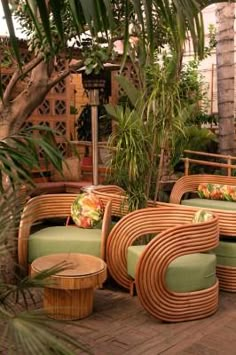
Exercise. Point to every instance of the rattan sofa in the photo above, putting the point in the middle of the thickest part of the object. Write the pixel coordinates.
(58, 239)
(176, 249)
(181, 194)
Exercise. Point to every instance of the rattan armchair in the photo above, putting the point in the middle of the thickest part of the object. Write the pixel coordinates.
(227, 221)
(177, 237)
(53, 206)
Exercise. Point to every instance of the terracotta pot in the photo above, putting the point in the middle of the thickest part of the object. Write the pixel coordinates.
(87, 161)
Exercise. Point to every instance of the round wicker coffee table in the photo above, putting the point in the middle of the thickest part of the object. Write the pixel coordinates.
(70, 293)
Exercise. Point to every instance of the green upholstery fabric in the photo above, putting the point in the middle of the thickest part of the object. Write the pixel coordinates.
(187, 273)
(63, 239)
(205, 203)
(226, 253)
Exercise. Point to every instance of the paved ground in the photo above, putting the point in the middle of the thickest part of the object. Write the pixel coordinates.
(119, 325)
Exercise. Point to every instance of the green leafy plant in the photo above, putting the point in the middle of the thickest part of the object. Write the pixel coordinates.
(130, 154)
(19, 154)
(25, 330)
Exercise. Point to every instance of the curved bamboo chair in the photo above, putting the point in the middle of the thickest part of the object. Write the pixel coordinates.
(190, 183)
(118, 197)
(115, 194)
(227, 218)
(52, 206)
(178, 236)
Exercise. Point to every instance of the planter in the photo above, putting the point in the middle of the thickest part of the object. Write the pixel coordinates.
(87, 161)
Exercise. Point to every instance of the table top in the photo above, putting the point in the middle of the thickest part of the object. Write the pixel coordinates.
(76, 265)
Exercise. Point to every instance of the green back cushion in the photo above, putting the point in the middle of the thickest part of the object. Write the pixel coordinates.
(204, 203)
(187, 273)
(63, 239)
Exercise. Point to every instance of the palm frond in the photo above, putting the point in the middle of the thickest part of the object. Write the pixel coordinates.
(32, 332)
(19, 154)
(88, 14)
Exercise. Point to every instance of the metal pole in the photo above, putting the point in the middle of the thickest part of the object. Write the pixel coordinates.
(94, 102)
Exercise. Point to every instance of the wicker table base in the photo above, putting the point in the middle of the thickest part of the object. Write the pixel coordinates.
(70, 295)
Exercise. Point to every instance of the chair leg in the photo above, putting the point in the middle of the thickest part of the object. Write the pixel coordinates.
(132, 289)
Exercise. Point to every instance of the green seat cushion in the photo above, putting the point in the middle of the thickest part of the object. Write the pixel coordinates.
(205, 203)
(226, 253)
(187, 273)
(63, 239)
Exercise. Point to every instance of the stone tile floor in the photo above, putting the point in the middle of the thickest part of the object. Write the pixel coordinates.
(119, 325)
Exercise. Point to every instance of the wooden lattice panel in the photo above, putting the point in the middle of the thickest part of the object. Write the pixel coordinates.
(60, 88)
(60, 64)
(27, 125)
(60, 107)
(44, 124)
(60, 127)
(62, 148)
(44, 108)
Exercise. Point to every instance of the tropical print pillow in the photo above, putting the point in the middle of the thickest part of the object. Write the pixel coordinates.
(86, 210)
(202, 216)
(217, 192)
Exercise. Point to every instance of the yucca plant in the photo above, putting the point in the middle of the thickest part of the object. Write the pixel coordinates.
(129, 162)
(130, 146)
(147, 129)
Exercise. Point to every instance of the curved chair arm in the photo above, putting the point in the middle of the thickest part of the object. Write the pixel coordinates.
(111, 189)
(152, 266)
(190, 183)
(134, 225)
(118, 197)
(115, 194)
(50, 206)
(106, 228)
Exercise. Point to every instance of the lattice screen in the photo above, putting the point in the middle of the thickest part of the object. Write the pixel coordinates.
(54, 111)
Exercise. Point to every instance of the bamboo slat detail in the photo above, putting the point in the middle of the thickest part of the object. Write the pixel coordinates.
(52, 206)
(227, 218)
(190, 183)
(69, 293)
(178, 236)
(118, 197)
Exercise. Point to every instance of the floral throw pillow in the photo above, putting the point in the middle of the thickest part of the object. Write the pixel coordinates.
(217, 192)
(86, 210)
(202, 216)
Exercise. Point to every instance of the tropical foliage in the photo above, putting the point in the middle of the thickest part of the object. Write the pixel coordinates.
(25, 330)
(49, 24)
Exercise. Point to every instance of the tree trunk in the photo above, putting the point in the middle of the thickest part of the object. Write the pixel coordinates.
(225, 76)
(14, 112)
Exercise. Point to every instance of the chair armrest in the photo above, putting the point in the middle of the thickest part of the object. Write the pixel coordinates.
(36, 209)
(136, 224)
(154, 261)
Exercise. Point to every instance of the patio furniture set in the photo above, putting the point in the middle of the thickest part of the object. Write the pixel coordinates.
(173, 263)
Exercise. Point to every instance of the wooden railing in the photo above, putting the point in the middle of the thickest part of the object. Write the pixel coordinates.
(228, 164)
